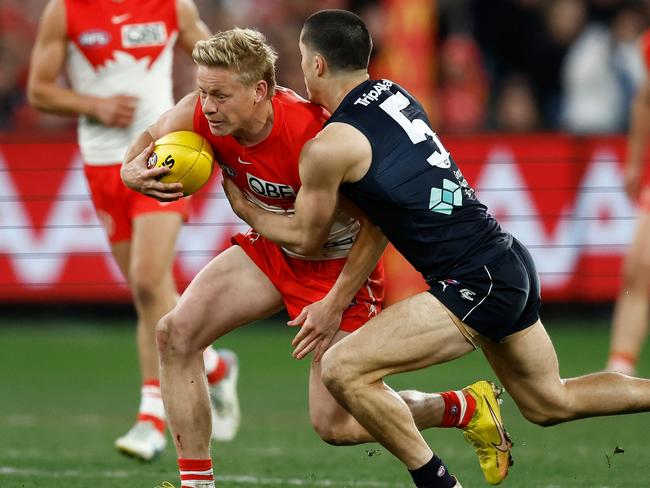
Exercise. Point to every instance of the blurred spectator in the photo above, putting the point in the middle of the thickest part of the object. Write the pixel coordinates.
(535, 44)
(563, 20)
(516, 108)
(17, 35)
(626, 28)
(601, 71)
(532, 38)
(463, 86)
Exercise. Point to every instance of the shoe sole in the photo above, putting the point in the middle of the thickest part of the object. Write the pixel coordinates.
(132, 454)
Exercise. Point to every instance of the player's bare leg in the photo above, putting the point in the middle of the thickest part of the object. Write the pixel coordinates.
(354, 368)
(527, 365)
(148, 266)
(152, 280)
(229, 292)
(337, 426)
(630, 325)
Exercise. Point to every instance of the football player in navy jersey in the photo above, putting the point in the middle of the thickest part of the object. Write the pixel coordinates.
(379, 151)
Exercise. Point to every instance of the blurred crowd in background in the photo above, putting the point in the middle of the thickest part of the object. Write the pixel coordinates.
(499, 65)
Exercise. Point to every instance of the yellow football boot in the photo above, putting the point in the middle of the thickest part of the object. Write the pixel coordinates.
(485, 431)
(165, 484)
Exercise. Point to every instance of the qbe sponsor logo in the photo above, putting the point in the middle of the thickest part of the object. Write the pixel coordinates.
(269, 189)
(144, 35)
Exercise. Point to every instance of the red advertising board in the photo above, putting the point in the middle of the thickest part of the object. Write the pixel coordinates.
(560, 195)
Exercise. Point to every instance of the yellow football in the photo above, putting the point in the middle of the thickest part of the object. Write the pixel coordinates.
(188, 155)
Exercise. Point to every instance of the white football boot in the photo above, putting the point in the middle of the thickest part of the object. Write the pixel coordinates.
(143, 442)
(224, 401)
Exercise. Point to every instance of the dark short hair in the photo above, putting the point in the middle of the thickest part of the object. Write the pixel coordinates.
(341, 37)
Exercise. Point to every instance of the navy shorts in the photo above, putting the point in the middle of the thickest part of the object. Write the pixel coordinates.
(497, 299)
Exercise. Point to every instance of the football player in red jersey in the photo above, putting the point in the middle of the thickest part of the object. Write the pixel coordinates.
(631, 319)
(257, 131)
(117, 55)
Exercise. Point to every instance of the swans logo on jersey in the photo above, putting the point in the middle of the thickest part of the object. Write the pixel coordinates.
(94, 38)
(269, 189)
(144, 35)
(228, 170)
(153, 159)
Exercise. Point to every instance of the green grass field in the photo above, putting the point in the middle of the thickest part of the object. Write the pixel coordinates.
(69, 389)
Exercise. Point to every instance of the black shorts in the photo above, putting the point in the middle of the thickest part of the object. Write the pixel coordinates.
(497, 299)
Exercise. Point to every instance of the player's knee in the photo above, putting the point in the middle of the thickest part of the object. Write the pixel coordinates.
(332, 373)
(338, 373)
(538, 417)
(331, 432)
(145, 287)
(162, 334)
(636, 272)
(545, 414)
(174, 336)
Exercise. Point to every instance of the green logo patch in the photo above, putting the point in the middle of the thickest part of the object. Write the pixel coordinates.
(443, 200)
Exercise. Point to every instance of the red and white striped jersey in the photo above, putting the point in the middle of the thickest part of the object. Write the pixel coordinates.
(120, 47)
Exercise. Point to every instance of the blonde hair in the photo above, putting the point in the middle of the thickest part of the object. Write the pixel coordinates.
(242, 50)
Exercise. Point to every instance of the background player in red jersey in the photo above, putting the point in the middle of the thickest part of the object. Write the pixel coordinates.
(118, 58)
(630, 327)
(257, 130)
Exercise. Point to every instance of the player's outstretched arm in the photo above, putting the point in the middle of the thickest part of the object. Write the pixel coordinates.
(637, 140)
(47, 60)
(320, 320)
(191, 28)
(339, 153)
(135, 173)
(316, 204)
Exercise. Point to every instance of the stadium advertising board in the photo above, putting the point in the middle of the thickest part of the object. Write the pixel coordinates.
(560, 195)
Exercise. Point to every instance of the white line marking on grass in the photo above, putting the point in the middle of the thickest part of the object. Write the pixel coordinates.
(256, 480)
(239, 479)
(18, 420)
(23, 420)
(66, 473)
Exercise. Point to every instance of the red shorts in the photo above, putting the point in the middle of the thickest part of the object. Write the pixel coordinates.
(117, 205)
(302, 282)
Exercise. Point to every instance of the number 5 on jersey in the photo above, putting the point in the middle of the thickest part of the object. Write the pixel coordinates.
(416, 129)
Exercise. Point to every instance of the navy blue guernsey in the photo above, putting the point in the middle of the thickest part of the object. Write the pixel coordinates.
(413, 190)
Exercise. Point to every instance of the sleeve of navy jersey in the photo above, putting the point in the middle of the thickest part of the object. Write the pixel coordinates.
(414, 191)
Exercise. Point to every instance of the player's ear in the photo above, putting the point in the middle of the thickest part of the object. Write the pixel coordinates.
(319, 64)
(261, 91)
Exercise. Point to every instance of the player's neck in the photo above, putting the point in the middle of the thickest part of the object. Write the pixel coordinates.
(340, 86)
(259, 128)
